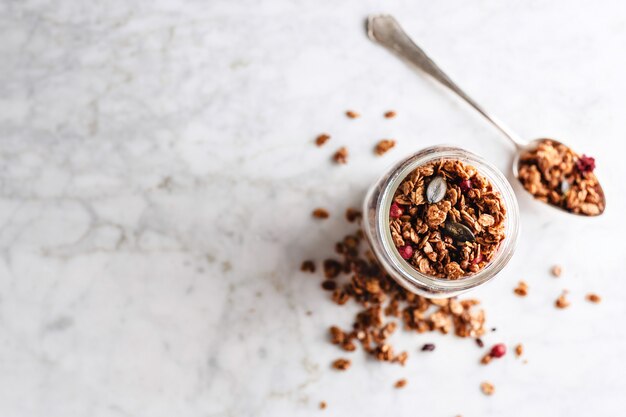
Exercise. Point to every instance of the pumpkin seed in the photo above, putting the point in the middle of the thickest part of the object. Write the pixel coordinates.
(458, 231)
(436, 190)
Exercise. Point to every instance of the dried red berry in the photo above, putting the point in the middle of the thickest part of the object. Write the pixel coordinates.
(478, 259)
(406, 251)
(498, 351)
(395, 211)
(465, 185)
(586, 164)
(428, 347)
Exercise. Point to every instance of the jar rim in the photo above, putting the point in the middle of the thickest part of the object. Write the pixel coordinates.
(405, 273)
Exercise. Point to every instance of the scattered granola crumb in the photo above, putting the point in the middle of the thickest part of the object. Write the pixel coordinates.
(556, 270)
(562, 302)
(352, 114)
(322, 405)
(322, 139)
(383, 146)
(519, 350)
(390, 114)
(594, 298)
(321, 213)
(401, 358)
(340, 297)
(400, 383)
(332, 268)
(337, 336)
(308, 266)
(428, 347)
(342, 364)
(525, 361)
(353, 215)
(309, 313)
(487, 388)
(341, 156)
(329, 285)
(480, 342)
(348, 346)
(486, 359)
(521, 289)
(384, 305)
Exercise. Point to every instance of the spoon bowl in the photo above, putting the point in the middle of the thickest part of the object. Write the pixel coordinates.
(530, 146)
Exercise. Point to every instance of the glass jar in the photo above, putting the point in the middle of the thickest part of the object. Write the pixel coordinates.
(376, 224)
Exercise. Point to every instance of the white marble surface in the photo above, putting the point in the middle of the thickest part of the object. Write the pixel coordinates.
(157, 173)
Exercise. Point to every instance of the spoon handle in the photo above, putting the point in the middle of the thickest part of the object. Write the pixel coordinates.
(386, 31)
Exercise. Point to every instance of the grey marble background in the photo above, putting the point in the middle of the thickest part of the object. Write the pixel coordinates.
(156, 178)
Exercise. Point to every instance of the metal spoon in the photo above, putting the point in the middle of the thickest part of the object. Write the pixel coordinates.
(385, 30)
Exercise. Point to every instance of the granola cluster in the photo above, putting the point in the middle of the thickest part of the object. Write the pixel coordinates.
(383, 146)
(384, 304)
(487, 388)
(447, 220)
(555, 174)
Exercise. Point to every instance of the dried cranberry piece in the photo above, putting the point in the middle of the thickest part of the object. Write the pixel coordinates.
(586, 164)
(428, 347)
(406, 251)
(498, 351)
(395, 211)
(465, 185)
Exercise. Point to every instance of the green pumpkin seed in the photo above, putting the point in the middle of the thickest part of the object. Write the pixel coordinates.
(458, 231)
(436, 190)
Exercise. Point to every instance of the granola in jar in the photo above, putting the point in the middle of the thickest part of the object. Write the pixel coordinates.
(447, 220)
(555, 174)
(473, 204)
